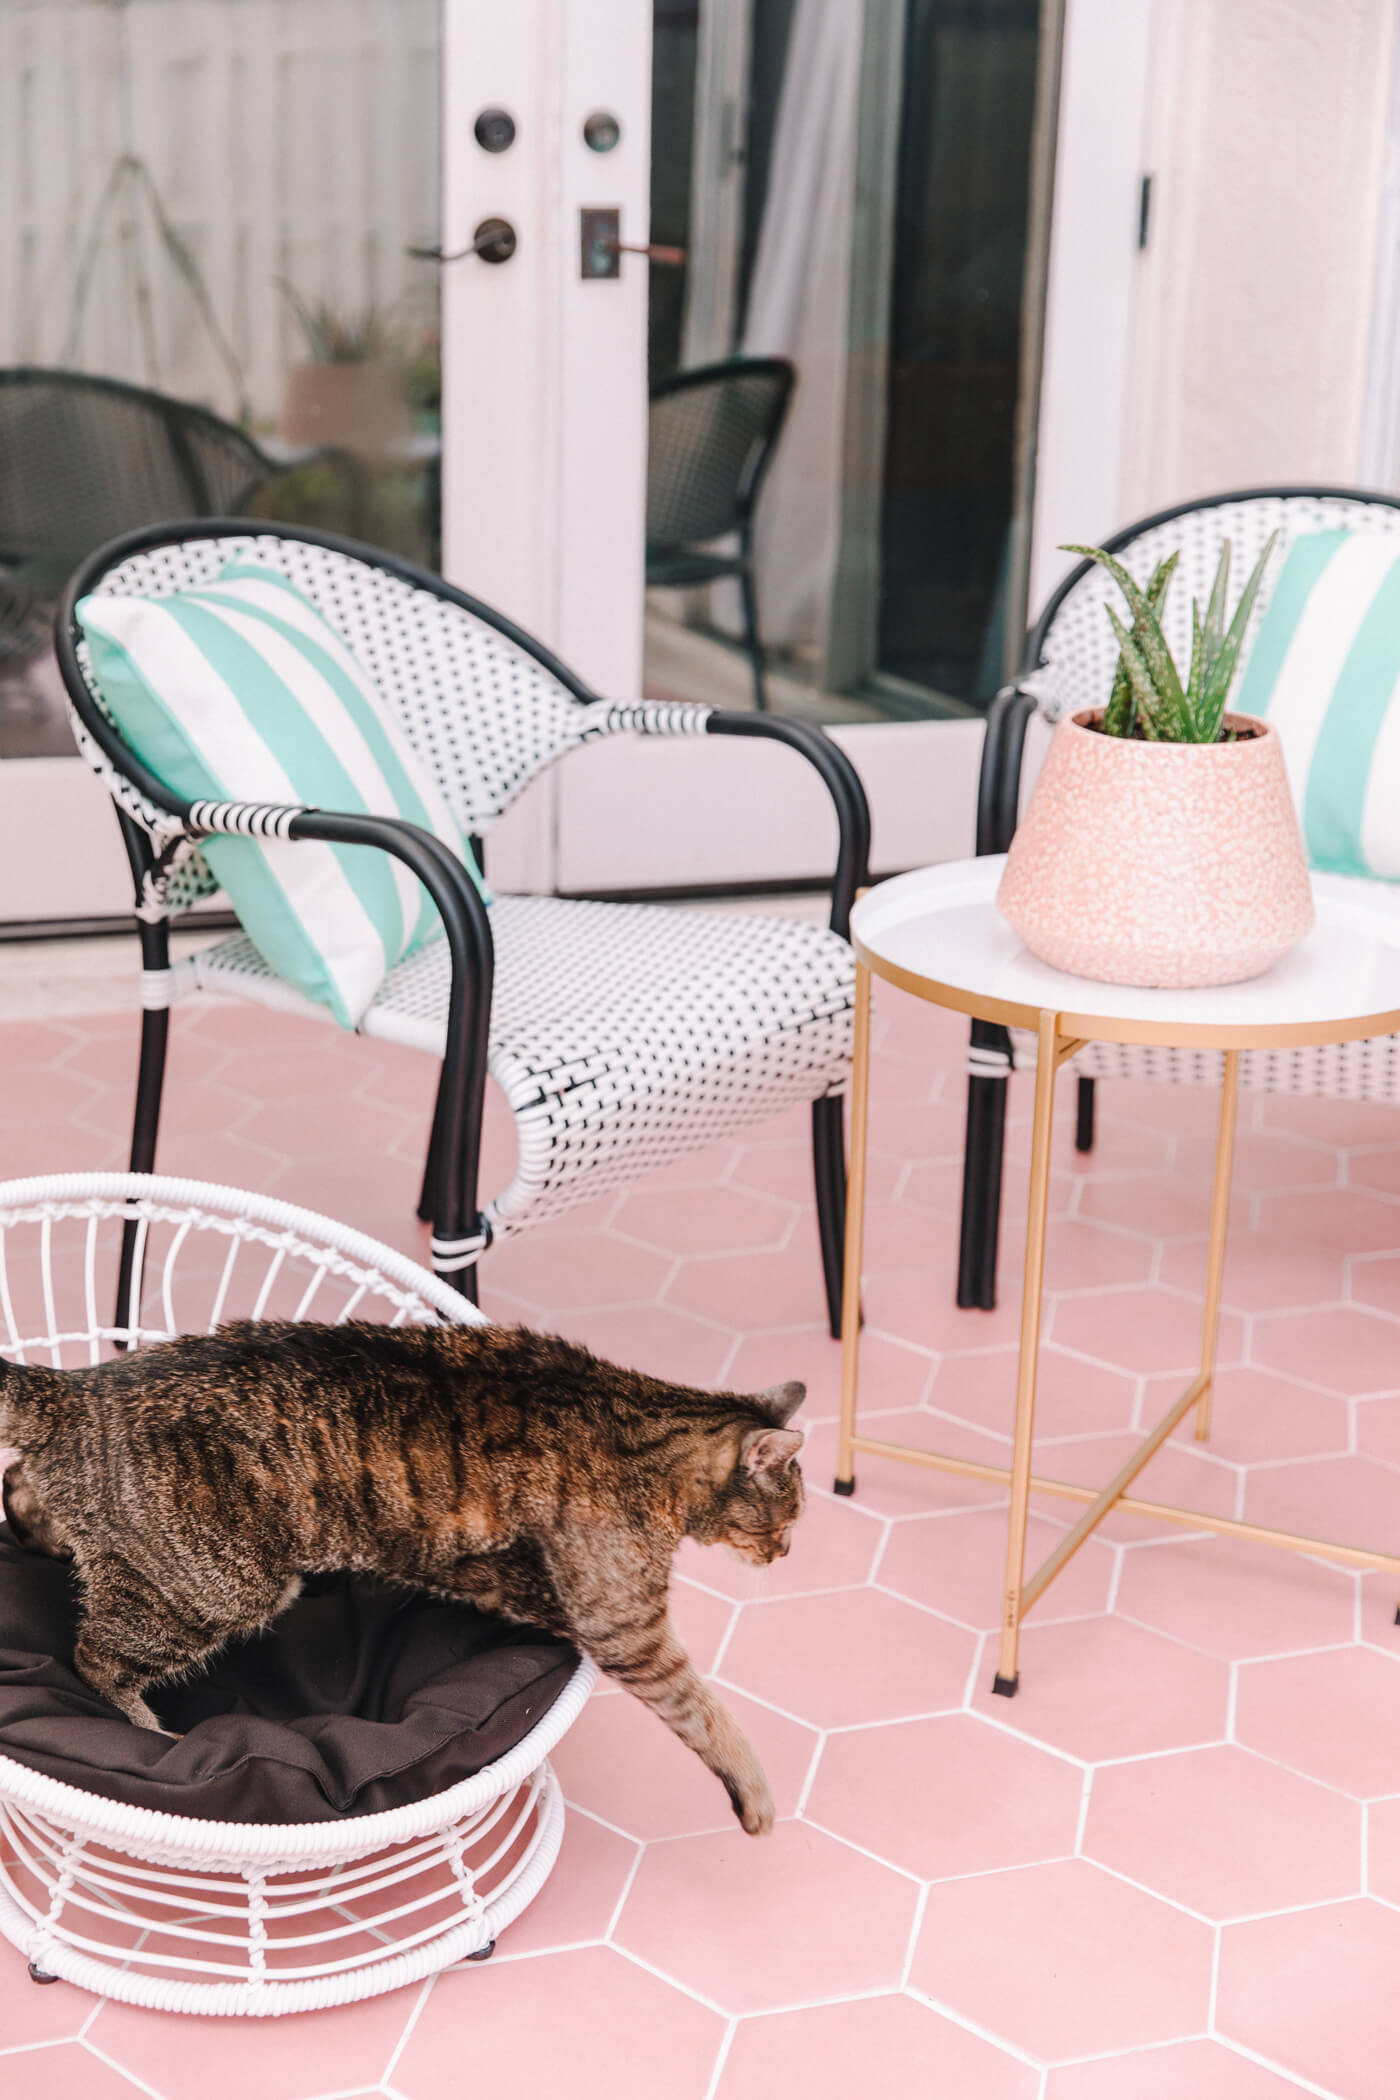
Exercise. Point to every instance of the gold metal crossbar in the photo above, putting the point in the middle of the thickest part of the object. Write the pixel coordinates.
(1131, 1505)
(1053, 1050)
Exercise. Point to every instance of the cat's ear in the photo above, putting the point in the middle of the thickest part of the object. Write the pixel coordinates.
(770, 1450)
(781, 1402)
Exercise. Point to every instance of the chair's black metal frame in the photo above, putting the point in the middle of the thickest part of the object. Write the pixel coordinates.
(177, 419)
(450, 1194)
(674, 565)
(998, 805)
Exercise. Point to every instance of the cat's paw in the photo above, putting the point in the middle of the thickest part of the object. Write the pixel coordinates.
(753, 1805)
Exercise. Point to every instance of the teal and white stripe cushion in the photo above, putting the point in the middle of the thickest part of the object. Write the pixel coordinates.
(1325, 671)
(242, 692)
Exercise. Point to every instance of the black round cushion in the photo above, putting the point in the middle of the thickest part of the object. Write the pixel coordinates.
(359, 1697)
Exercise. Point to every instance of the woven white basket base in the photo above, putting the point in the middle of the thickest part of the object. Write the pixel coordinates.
(183, 1915)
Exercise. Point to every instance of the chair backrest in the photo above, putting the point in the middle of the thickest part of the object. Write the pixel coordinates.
(484, 706)
(83, 458)
(1071, 654)
(710, 436)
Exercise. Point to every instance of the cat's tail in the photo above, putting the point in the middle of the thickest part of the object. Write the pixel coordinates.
(23, 1388)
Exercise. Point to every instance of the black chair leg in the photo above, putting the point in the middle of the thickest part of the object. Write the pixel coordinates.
(1084, 1116)
(829, 1173)
(755, 646)
(460, 1235)
(427, 1198)
(145, 1127)
(990, 1061)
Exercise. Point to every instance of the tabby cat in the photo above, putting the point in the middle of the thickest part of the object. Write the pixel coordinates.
(194, 1483)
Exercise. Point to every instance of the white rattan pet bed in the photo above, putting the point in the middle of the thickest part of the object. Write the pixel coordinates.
(176, 1911)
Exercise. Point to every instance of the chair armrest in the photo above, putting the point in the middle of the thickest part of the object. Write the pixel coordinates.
(999, 781)
(467, 926)
(692, 718)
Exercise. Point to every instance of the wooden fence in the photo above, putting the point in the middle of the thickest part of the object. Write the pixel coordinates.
(165, 165)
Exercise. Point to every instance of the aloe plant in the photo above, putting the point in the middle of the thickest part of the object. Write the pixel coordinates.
(1148, 698)
(356, 336)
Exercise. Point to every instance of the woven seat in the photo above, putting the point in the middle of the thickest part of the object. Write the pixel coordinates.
(623, 1036)
(1069, 663)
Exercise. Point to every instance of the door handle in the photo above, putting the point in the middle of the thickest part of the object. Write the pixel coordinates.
(601, 245)
(494, 241)
(675, 257)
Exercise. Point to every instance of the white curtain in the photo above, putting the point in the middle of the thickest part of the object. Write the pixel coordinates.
(799, 308)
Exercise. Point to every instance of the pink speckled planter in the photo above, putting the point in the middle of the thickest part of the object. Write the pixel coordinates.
(1159, 864)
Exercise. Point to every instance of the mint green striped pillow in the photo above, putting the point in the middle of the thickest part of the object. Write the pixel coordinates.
(242, 692)
(1325, 671)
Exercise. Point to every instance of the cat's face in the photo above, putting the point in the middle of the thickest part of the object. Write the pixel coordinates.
(756, 1507)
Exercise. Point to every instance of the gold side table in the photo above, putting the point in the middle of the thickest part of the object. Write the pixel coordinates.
(937, 933)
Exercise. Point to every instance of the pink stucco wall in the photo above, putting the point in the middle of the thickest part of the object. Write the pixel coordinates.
(1268, 124)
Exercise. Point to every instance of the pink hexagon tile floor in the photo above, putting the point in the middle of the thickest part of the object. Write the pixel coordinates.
(1168, 1870)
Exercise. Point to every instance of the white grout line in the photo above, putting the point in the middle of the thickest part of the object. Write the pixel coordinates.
(957, 2018)
(415, 2013)
(1291, 2077)
(726, 2043)
(810, 1780)
(125, 2070)
(677, 1983)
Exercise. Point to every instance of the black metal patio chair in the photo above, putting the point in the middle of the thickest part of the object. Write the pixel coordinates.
(1068, 664)
(710, 436)
(83, 458)
(622, 1036)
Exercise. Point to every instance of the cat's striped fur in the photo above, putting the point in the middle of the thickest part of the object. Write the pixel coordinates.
(196, 1482)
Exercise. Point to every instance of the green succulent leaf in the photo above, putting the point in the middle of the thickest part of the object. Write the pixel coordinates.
(1223, 666)
(1195, 683)
(1215, 610)
(1121, 713)
(1120, 716)
(1163, 699)
(1139, 676)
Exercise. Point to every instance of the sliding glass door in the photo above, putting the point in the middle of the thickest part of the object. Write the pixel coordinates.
(892, 163)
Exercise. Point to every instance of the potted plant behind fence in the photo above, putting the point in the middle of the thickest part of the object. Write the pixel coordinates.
(350, 394)
(1160, 845)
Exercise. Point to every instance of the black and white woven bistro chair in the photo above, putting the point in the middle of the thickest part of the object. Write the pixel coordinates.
(711, 433)
(622, 1036)
(1069, 663)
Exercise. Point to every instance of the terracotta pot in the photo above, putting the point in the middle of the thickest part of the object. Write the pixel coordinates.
(359, 408)
(1159, 864)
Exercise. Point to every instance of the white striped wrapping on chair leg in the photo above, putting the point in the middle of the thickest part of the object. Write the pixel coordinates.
(452, 1256)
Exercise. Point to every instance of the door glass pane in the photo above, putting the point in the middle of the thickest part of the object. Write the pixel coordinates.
(880, 161)
(209, 203)
(963, 190)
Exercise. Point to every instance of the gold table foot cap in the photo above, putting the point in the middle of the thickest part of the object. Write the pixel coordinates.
(848, 1487)
(1006, 1685)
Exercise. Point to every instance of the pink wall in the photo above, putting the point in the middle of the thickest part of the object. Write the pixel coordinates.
(1267, 130)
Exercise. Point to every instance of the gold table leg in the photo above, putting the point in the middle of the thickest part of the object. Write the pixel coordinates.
(855, 1235)
(1037, 1205)
(1219, 1229)
(1022, 1591)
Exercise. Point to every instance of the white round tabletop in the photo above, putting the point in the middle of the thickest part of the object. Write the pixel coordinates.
(937, 933)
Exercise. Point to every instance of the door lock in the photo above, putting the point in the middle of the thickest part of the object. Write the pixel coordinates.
(601, 246)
